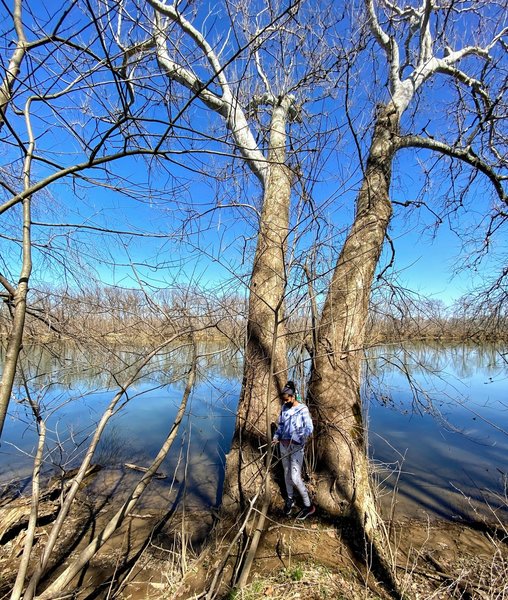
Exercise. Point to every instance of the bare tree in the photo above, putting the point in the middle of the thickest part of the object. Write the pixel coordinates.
(419, 44)
(21, 47)
(65, 578)
(145, 63)
(258, 100)
(67, 111)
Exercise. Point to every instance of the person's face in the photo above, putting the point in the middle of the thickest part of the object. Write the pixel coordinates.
(287, 399)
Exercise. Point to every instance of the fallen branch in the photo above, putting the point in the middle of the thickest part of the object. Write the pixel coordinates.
(144, 470)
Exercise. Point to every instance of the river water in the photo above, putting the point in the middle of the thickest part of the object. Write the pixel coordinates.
(437, 419)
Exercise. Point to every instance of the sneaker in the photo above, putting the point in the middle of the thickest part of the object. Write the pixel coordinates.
(306, 512)
(288, 506)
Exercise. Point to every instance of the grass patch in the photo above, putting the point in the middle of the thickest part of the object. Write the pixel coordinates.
(303, 581)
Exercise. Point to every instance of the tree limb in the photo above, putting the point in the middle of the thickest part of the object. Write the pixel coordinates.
(10, 297)
(184, 76)
(382, 37)
(464, 154)
(83, 468)
(65, 578)
(227, 105)
(425, 36)
(34, 510)
(77, 168)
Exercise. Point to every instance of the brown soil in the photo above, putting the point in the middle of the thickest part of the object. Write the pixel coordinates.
(315, 560)
(312, 560)
(175, 557)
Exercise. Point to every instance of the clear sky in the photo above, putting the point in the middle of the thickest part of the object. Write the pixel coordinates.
(166, 200)
(426, 257)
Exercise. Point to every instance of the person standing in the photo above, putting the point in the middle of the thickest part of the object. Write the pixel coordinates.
(294, 428)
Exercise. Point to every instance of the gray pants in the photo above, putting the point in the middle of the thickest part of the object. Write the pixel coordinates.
(292, 462)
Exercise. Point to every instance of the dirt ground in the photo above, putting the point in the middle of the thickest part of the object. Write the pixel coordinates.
(317, 559)
(176, 556)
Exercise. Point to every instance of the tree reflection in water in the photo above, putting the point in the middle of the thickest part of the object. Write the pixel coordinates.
(438, 413)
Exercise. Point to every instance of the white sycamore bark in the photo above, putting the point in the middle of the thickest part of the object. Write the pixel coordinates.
(227, 105)
(334, 390)
(266, 357)
(404, 90)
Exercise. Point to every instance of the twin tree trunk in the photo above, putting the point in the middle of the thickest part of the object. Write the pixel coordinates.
(343, 482)
(266, 347)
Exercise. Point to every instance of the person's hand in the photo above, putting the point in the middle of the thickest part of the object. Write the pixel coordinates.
(275, 441)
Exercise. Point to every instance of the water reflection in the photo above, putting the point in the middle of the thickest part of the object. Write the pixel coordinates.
(437, 413)
(440, 415)
(463, 360)
(74, 388)
(67, 365)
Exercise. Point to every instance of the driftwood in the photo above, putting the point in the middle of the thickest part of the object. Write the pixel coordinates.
(157, 475)
(14, 517)
(66, 475)
(15, 511)
(464, 587)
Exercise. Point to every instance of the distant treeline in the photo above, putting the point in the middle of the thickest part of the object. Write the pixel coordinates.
(117, 314)
(450, 327)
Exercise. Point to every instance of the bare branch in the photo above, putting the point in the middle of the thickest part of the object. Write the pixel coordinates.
(10, 297)
(77, 168)
(227, 106)
(425, 35)
(14, 63)
(182, 75)
(464, 78)
(174, 15)
(262, 73)
(34, 510)
(464, 154)
(145, 234)
(65, 578)
(382, 37)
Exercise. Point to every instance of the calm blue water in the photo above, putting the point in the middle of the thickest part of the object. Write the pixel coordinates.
(443, 439)
(138, 429)
(447, 432)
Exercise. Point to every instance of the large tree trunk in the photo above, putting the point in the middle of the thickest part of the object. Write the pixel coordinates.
(17, 299)
(14, 343)
(265, 355)
(334, 392)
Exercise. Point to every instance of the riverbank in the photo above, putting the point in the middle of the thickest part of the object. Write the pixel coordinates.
(317, 559)
(142, 339)
(176, 555)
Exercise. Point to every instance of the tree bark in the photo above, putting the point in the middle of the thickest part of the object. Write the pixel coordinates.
(334, 390)
(265, 366)
(34, 512)
(15, 61)
(15, 336)
(14, 344)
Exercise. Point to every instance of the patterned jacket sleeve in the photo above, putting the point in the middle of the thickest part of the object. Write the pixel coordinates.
(278, 431)
(308, 425)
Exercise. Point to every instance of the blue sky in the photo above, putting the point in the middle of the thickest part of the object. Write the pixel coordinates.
(426, 257)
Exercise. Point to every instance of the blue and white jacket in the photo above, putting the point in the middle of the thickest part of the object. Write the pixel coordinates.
(295, 424)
